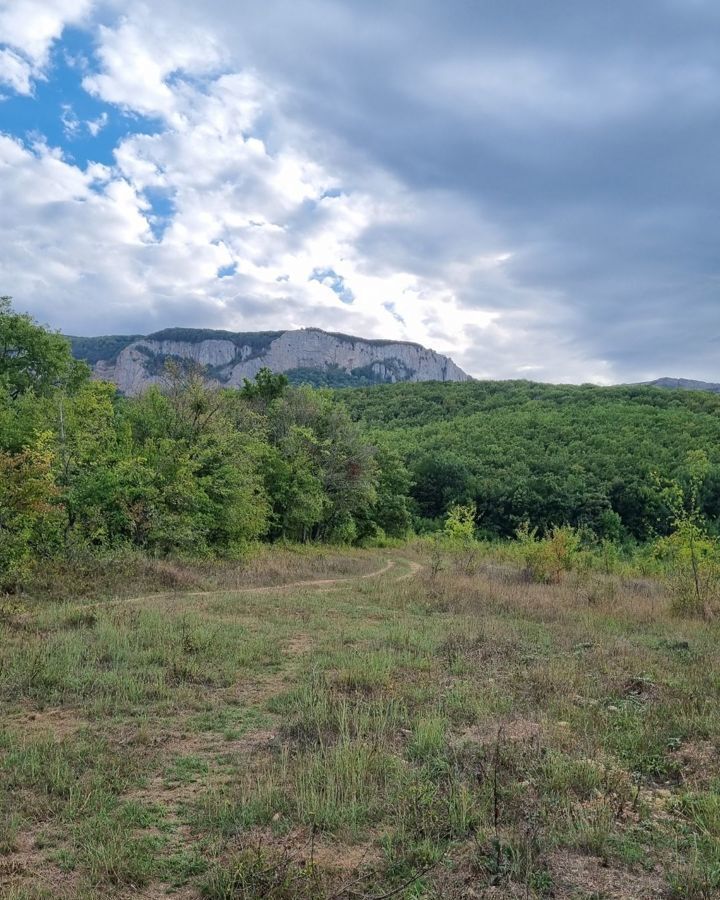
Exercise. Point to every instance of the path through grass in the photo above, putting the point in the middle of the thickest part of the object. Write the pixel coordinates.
(371, 728)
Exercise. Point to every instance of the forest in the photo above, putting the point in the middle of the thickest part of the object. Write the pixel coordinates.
(595, 457)
(183, 469)
(189, 469)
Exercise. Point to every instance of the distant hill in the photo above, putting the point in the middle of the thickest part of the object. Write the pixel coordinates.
(543, 453)
(307, 355)
(685, 384)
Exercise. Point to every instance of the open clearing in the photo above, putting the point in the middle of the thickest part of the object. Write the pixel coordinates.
(349, 725)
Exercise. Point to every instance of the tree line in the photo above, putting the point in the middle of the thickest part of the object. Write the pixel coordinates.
(190, 468)
(549, 455)
(185, 468)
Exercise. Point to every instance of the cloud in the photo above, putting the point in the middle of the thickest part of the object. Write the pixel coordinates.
(139, 57)
(95, 126)
(15, 72)
(70, 122)
(28, 28)
(535, 193)
(250, 225)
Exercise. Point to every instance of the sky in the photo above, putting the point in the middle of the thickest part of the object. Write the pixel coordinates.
(533, 188)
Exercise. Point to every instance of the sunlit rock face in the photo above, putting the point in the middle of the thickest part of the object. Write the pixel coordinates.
(229, 358)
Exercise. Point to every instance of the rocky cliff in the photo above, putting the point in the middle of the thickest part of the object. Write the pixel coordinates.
(312, 355)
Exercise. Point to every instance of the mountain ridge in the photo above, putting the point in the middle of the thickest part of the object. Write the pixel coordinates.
(333, 359)
(684, 384)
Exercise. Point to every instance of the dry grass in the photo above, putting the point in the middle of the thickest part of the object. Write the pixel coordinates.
(436, 736)
(126, 574)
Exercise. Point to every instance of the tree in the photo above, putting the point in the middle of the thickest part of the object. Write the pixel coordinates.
(348, 471)
(694, 555)
(202, 489)
(390, 511)
(31, 357)
(30, 518)
(266, 387)
(321, 453)
(441, 480)
(459, 533)
(460, 523)
(297, 498)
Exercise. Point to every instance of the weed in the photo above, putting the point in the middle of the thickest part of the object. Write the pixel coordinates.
(447, 729)
(261, 875)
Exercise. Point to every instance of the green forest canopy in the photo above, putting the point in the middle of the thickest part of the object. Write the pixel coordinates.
(185, 468)
(548, 454)
(196, 469)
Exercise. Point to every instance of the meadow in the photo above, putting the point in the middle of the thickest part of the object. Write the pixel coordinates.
(348, 724)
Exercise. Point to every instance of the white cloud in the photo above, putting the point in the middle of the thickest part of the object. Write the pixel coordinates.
(15, 72)
(238, 175)
(139, 56)
(29, 28)
(95, 126)
(70, 122)
(274, 216)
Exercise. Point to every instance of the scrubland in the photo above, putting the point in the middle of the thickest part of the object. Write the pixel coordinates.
(406, 722)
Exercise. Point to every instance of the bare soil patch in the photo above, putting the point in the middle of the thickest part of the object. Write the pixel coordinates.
(573, 872)
(508, 731)
(59, 722)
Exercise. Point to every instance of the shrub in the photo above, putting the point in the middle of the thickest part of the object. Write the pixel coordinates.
(693, 564)
(546, 559)
(459, 535)
(30, 522)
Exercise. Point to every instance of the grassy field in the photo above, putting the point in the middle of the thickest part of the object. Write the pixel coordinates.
(386, 730)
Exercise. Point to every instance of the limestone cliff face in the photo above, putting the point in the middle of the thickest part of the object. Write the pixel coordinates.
(229, 358)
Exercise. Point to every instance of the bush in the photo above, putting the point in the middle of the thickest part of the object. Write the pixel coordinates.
(459, 535)
(546, 559)
(30, 522)
(692, 559)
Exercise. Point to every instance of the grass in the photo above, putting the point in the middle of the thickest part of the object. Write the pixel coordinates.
(225, 737)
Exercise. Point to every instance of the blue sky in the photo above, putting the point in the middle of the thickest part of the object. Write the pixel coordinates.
(532, 188)
(61, 112)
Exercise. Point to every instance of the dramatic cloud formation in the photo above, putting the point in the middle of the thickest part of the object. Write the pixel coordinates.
(530, 187)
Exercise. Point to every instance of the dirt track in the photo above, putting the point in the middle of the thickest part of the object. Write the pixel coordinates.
(390, 564)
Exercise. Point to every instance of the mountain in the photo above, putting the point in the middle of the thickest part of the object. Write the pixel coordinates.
(685, 384)
(309, 355)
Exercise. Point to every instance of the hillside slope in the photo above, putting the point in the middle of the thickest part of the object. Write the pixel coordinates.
(546, 454)
(309, 355)
(684, 384)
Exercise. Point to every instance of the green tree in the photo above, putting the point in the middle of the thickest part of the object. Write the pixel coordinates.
(439, 481)
(30, 518)
(204, 489)
(348, 471)
(31, 357)
(266, 387)
(460, 523)
(389, 513)
(297, 498)
(459, 534)
(336, 453)
(694, 554)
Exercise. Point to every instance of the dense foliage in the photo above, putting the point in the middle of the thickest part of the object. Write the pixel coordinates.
(548, 455)
(192, 468)
(185, 468)
(333, 376)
